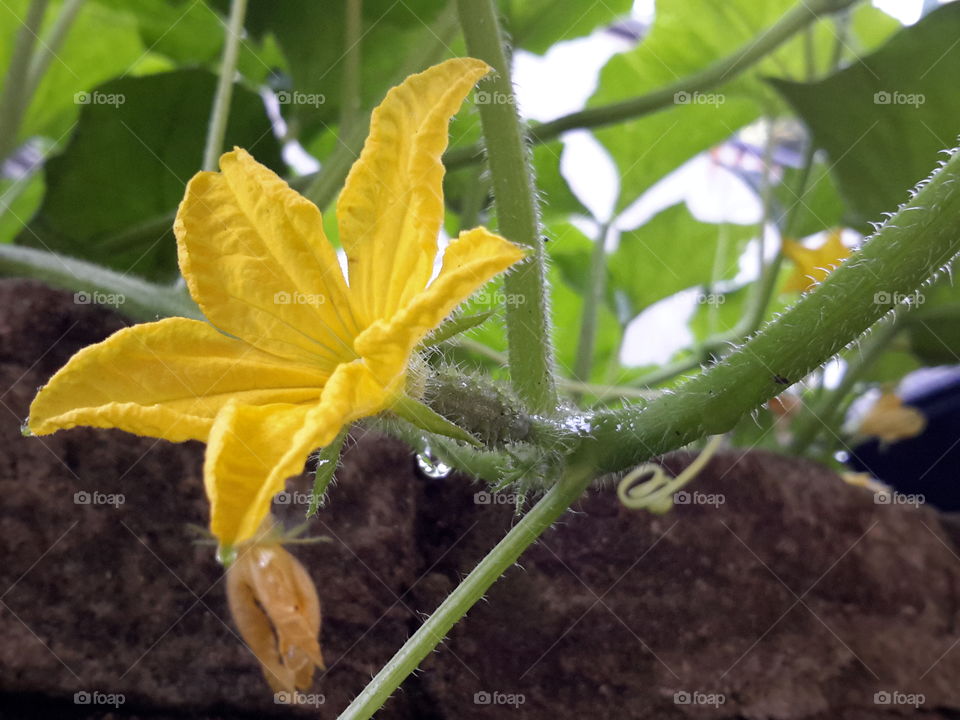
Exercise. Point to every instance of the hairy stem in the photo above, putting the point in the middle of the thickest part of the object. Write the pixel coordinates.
(137, 299)
(527, 313)
(722, 71)
(922, 237)
(221, 100)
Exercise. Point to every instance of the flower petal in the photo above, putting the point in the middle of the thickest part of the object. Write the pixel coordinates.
(469, 262)
(253, 450)
(391, 207)
(258, 263)
(167, 379)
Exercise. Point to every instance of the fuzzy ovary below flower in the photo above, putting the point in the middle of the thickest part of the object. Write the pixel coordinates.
(275, 606)
(291, 353)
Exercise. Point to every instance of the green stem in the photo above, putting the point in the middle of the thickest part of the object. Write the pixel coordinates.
(527, 312)
(720, 72)
(137, 299)
(591, 306)
(920, 239)
(221, 101)
(550, 507)
(40, 62)
(14, 101)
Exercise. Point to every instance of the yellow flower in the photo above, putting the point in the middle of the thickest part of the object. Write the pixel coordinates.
(813, 265)
(292, 354)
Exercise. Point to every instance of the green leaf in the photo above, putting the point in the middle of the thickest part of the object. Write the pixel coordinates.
(102, 42)
(673, 252)
(567, 311)
(535, 25)
(327, 460)
(456, 325)
(883, 121)
(688, 36)
(188, 32)
(128, 163)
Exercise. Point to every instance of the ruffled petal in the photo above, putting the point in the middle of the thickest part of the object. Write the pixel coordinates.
(391, 207)
(258, 263)
(469, 262)
(167, 379)
(251, 451)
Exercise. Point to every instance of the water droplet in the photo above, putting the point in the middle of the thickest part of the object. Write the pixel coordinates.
(25, 430)
(841, 456)
(226, 556)
(431, 467)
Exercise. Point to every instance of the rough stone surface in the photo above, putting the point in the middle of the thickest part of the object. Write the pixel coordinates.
(797, 597)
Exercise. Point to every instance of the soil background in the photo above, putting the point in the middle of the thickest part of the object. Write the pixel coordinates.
(778, 592)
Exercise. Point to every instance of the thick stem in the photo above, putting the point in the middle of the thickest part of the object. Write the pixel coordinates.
(719, 73)
(221, 101)
(527, 313)
(15, 100)
(553, 504)
(922, 237)
(137, 299)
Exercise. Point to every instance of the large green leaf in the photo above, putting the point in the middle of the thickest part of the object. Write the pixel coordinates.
(687, 36)
(535, 25)
(672, 252)
(884, 120)
(128, 163)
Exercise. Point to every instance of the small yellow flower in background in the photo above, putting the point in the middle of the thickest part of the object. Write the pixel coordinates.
(889, 420)
(275, 606)
(291, 354)
(813, 265)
